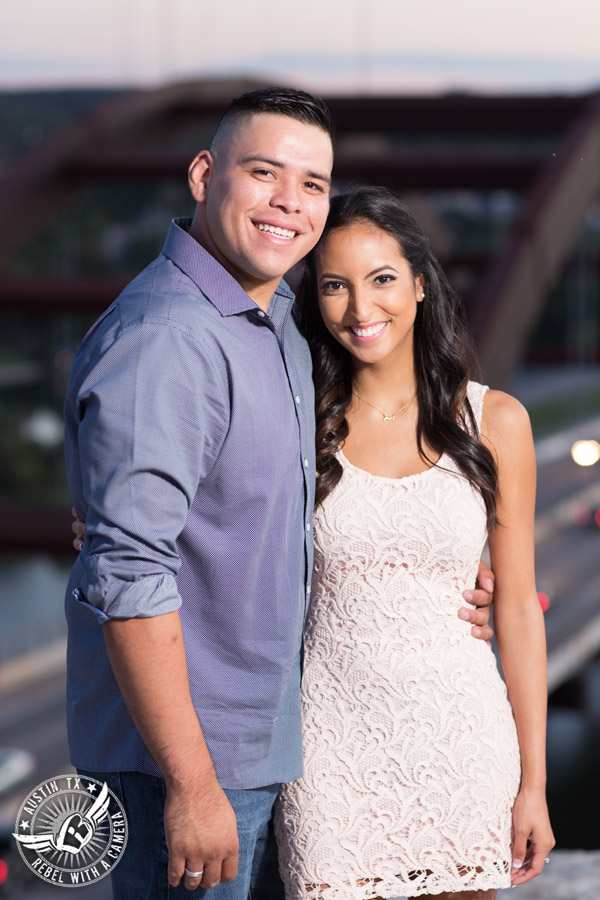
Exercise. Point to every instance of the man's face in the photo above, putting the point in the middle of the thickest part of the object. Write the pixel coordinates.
(266, 198)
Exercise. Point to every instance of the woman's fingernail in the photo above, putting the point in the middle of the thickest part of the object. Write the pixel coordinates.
(517, 863)
(463, 614)
(468, 595)
(489, 584)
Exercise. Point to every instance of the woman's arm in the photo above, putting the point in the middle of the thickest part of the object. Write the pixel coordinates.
(518, 622)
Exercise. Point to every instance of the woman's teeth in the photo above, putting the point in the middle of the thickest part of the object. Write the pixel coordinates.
(369, 331)
(279, 232)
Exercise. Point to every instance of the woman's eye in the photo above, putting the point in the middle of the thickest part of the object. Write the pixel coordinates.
(384, 279)
(332, 286)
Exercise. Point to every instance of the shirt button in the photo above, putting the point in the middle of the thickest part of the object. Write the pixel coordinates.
(306, 464)
(261, 313)
(297, 398)
(308, 526)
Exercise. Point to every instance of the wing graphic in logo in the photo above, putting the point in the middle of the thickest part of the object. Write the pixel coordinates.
(76, 831)
(39, 842)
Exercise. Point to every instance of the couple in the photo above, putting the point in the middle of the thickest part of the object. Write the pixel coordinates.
(191, 456)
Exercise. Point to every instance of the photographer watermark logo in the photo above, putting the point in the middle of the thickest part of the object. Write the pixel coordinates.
(71, 830)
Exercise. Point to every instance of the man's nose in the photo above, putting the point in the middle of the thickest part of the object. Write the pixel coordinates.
(287, 196)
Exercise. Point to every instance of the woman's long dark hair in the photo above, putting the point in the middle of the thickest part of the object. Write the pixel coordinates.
(442, 352)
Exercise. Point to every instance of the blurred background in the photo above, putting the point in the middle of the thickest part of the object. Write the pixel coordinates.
(485, 116)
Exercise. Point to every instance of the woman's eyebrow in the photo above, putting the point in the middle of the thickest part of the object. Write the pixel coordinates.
(368, 275)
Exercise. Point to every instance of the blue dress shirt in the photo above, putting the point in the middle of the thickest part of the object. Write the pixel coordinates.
(190, 454)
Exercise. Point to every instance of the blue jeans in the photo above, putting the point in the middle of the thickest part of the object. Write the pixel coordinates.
(142, 872)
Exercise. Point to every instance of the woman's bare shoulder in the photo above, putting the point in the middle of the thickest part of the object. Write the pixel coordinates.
(505, 419)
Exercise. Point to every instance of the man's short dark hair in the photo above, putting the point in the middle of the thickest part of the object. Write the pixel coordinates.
(282, 101)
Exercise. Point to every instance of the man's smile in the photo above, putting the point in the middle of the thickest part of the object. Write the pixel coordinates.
(276, 230)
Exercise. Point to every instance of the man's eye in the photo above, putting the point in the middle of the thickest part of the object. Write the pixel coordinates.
(261, 172)
(313, 186)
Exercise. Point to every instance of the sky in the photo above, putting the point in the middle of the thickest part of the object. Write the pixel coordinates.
(336, 46)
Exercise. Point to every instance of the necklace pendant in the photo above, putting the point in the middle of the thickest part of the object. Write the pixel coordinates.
(390, 418)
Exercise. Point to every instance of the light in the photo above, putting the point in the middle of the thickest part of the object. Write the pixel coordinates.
(3, 871)
(544, 600)
(43, 427)
(585, 453)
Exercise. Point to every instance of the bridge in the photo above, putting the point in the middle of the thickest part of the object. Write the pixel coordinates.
(544, 151)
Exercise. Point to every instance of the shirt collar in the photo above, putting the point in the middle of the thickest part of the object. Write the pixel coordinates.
(215, 282)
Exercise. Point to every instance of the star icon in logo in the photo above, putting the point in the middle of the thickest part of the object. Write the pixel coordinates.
(92, 787)
(24, 824)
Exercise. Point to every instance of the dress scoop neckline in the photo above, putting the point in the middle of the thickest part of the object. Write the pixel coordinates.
(390, 478)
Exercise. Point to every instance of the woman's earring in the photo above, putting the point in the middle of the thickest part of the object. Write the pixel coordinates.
(422, 295)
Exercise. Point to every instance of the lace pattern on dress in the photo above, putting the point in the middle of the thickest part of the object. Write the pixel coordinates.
(411, 755)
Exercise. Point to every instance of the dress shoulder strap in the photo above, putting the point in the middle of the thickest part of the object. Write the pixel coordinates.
(476, 393)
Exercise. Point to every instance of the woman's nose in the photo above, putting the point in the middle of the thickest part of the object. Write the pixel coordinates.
(360, 304)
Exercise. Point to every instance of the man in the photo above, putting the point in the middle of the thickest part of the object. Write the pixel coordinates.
(190, 456)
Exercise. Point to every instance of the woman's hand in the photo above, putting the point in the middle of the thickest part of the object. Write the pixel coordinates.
(530, 823)
(78, 528)
(481, 598)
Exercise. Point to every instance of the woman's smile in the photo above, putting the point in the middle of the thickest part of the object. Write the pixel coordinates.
(368, 333)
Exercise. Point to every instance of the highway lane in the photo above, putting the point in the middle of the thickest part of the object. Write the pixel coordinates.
(562, 478)
(32, 717)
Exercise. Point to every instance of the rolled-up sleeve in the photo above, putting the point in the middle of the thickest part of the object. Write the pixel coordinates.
(152, 415)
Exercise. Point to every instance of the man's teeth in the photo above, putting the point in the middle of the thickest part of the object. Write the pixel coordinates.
(370, 331)
(273, 229)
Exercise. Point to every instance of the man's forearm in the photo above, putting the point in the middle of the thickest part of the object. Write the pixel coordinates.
(148, 659)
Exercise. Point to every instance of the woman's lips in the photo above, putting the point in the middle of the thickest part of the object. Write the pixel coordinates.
(368, 333)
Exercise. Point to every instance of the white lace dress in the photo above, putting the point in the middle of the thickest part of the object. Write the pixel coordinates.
(411, 755)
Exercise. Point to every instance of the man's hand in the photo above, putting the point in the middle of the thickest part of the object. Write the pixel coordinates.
(148, 658)
(201, 833)
(78, 528)
(481, 598)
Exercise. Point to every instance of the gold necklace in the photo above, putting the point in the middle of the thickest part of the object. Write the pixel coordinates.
(380, 411)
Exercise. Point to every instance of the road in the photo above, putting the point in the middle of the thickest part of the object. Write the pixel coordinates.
(33, 716)
(567, 562)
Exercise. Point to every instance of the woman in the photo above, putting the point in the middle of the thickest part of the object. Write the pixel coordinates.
(419, 780)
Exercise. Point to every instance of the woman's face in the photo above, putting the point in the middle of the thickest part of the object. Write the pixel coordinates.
(367, 294)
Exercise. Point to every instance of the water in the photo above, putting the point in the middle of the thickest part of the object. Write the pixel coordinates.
(32, 591)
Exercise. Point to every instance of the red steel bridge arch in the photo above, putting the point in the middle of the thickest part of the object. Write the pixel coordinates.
(115, 141)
